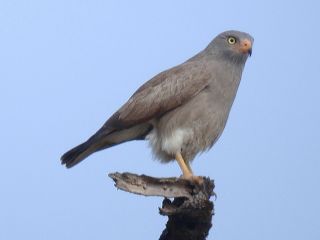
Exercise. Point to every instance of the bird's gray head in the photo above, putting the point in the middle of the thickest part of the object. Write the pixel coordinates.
(232, 45)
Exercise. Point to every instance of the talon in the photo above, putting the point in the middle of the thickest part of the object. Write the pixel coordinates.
(188, 177)
(192, 178)
(198, 180)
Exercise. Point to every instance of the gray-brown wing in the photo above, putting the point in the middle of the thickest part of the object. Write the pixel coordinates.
(161, 94)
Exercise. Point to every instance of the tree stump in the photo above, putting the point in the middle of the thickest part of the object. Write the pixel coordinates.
(189, 213)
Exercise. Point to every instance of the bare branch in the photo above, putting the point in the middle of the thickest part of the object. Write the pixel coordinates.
(190, 212)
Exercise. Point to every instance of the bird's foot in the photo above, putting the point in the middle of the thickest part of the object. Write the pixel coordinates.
(192, 178)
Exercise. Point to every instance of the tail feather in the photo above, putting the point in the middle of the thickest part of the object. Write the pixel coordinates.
(103, 140)
(76, 154)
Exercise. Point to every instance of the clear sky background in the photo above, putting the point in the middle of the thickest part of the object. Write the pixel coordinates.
(66, 66)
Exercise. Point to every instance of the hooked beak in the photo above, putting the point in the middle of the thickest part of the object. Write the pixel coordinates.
(246, 46)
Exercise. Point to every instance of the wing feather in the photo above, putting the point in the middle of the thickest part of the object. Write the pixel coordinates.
(164, 92)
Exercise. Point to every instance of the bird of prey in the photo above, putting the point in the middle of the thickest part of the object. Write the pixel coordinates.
(181, 111)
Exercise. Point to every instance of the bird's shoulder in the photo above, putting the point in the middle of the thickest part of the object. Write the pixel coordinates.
(178, 76)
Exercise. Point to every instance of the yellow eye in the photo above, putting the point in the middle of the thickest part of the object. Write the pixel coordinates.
(232, 40)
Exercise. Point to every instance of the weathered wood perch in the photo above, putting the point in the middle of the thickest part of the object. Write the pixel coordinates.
(189, 213)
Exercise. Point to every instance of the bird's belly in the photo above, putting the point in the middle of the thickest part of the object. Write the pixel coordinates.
(166, 145)
(174, 142)
(198, 136)
(189, 129)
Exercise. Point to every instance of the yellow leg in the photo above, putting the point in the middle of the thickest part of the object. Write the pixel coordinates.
(185, 167)
(187, 171)
(189, 166)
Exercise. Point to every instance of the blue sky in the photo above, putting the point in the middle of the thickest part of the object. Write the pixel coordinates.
(66, 66)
